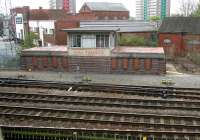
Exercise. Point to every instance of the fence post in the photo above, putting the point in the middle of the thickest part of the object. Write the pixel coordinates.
(1, 135)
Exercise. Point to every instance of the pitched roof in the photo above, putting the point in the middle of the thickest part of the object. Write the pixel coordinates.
(105, 6)
(117, 26)
(180, 25)
(92, 29)
(122, 25)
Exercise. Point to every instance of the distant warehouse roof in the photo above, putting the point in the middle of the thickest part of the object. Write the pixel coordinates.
(92, 29)
(110, 29)
(180, 25)
(122, 25)
(105, 6)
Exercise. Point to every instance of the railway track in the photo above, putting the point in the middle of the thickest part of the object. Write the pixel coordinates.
(14, 97)
(15, 106)
(165, 92)
(111, 120)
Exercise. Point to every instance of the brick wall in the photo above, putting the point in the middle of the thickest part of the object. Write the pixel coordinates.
(108, 15)
(138, 66)
(89, 64)
(179, 45)
(188, 46)
(175, 48)
(115, 65)
(44, 63)
(104, 15)
(60, 36)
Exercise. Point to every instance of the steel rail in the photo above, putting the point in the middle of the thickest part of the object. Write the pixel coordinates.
(117, 124)
(100, 130)
(98, 101)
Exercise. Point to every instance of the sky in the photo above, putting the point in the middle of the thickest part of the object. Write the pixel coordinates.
(129, 4)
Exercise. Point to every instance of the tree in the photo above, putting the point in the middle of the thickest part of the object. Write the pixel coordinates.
(132, 41)
(187, 7)
(155, 18)
(196, 13)
(29, 40)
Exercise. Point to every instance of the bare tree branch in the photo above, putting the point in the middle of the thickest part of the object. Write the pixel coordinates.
(187, 7)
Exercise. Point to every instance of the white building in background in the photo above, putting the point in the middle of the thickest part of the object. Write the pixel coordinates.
(19, 26)
(145, 9)
(68, 5)
(42, 28)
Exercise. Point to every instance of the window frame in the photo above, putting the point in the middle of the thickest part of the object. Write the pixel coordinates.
(103, 38)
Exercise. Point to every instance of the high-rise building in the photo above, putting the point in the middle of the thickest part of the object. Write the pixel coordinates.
(68, 5)
(145, 9)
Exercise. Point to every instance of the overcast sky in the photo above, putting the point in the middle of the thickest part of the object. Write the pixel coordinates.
(130, 4)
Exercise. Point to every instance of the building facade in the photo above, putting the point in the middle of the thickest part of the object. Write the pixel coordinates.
(105, 10)
(68, 5)
(92, 48)
(179, 36)
(145, 9)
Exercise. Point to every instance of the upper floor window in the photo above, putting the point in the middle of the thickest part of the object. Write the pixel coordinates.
(97, 40)
(18, 20)
(102, 41)
(75, 40)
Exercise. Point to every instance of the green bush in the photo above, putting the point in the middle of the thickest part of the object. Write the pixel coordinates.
(195, 57)
(28, 41)
(132, 41)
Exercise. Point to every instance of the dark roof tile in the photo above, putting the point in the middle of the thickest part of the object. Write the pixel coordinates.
(180, 25)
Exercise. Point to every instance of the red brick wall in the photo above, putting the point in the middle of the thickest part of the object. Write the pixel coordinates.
(101, 15)
(190, 47)
(60, 36)
(138, 66)
(115, 65)
(89, 64)
(72, 21)
(179, 43)
(175, 48)
(45, 63)
(109, 15)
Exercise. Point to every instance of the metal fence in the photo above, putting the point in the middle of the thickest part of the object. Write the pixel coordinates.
(9, 58)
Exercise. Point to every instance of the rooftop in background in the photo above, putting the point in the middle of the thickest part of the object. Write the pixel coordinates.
(180, 25)
(120, 25)
(92, 29)
(105, 6)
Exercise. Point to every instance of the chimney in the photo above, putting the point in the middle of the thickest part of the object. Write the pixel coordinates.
(40, 7)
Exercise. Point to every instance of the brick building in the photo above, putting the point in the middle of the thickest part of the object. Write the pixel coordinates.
(179, 34)
(94, 49)
(147, 30)
(44, 23)
(47, 23)
(105, 10)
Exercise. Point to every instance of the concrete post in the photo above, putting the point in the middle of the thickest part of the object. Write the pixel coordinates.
(1, 135)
